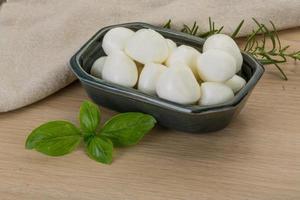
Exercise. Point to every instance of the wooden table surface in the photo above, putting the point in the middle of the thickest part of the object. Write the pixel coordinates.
(257, 157)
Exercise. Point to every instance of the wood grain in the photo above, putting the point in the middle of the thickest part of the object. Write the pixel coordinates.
(257, 157)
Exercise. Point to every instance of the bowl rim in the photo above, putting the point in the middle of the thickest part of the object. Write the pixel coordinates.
(132, 93)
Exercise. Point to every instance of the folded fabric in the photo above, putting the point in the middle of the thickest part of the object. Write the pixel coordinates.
(37, 37)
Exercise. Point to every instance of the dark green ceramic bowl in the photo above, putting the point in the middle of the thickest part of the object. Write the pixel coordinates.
(189, 118)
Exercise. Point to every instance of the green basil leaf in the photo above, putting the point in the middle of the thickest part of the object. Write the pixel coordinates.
(89, 117)
(100, 149)
(55, 138)
(127, 128)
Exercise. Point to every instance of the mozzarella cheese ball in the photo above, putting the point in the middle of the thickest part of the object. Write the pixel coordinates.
(120, 69)
(225, 43)
(147, 46)
(115, 39)
(215, 65)
(236, 83)
(97, 67)
(149, 76)
(215, 93)
(179, 85)
(185, 55)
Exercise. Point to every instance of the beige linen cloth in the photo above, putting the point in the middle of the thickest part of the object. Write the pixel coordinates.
(37, 37)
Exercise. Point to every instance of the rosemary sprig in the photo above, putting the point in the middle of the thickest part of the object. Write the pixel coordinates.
(255, 45)
(194, 29)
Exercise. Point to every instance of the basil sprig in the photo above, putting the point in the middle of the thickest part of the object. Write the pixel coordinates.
(57, 138)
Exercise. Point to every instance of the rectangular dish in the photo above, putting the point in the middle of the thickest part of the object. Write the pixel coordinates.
(189, 118)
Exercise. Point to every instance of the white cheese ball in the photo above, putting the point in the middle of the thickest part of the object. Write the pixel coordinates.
(225, 43)
(187, 56)
(97, 67)
(120, 69)
(216, 65)
(236, 83)
(215, 93)
(147, 46)
(178, 85)
(149, 76)
(115, 39)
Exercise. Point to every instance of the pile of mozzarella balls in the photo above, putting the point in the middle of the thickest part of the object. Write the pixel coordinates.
(157, 66)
